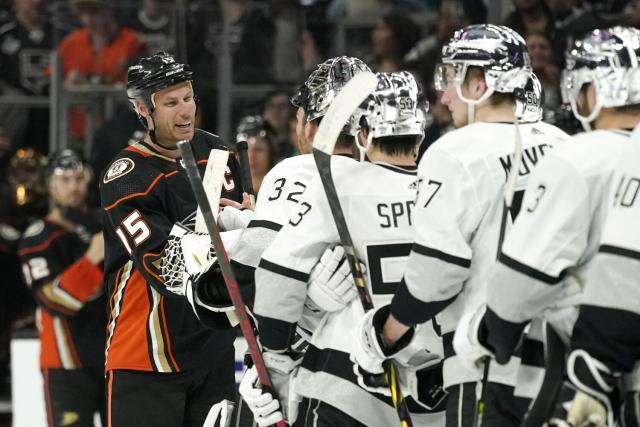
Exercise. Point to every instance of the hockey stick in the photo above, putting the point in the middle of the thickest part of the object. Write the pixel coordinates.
(245, 171)
(341, 108)
(212, 183)
(223, 260)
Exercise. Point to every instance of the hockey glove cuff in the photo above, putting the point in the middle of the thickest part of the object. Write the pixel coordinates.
(466, 341)
(220, 414)
(370, 349)
(331, 285)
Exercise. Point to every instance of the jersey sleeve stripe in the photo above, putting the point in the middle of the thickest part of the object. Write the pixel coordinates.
(410, 310)
(443, 256)
(42, 246)
(616, 250)
(529, 271)
(284, 271)
(131, 196)
(263, 223)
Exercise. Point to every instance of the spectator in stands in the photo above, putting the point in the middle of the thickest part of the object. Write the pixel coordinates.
(154, 21)
(631, 14)
(542, 62)
(276, 112)
(101, 50)
(530, 16)
(98, 53)
(393, 36)
(26, 41)
(260, 149)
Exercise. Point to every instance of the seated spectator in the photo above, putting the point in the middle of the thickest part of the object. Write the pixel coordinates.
(97, 53)
(631, 14)
(26, 41)
(154, 21)
(393, 36)
(530, 16)
(276, 112)
(260, 148)
(542, 62)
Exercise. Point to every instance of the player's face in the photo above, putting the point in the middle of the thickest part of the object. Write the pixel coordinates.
(450, 98)
(69, 188)
(175, 114)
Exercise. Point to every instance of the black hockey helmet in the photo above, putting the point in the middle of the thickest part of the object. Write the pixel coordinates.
(250, 126)
(66, 160)
(153, 73)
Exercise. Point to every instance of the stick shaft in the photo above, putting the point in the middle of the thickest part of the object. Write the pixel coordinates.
(223, 259)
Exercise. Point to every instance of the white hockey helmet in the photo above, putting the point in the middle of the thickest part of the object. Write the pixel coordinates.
(528, 108)
(498, 50)
(324, 83)
(608, 59)
(397, 107)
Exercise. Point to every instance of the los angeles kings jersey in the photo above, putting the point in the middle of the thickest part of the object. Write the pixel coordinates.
(541, 269)
(457, 226)
(377, 200)
(607, 326)
(143, 194)
(69, 291)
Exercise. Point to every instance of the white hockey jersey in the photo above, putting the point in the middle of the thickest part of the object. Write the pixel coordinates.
(377, 200)
(457, 226)
(541, 268)
(609, 319)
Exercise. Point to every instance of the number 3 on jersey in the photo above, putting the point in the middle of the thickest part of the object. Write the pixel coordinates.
(135, 227)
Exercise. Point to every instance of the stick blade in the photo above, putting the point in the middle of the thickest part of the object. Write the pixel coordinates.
(342, 107)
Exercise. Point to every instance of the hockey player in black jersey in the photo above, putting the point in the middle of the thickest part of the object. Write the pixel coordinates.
(163, 366)
(61, 258)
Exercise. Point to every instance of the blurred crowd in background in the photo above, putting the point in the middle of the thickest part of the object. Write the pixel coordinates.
(273, 45)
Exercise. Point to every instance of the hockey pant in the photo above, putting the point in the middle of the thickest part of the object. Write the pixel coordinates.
(502, 408)
(178, 399)
(72, 396)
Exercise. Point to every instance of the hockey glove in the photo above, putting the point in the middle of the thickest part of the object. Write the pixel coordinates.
(585, 400)
(331, 285)
(231, 218)
(466, 342)
(370, 351)
(220, 414)
(421, 379)
(265, 407)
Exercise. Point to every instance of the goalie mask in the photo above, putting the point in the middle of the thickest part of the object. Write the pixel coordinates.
(324, 83)
(498, 50)
(26, 176)
(607, 59)
(528, 108)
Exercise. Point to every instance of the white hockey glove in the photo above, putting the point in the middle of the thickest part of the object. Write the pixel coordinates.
(585, 400)
(465, 341)
(266, 409)
(370, 351)
(421, 378)
(331, 285)
(231, 218)
(220, 414)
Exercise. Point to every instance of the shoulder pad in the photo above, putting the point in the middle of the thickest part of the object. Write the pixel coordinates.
(129, 173)
(39, 232)
(34, 229)
(8, 233)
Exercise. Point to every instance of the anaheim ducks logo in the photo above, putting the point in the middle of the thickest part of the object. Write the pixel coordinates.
(119, 168)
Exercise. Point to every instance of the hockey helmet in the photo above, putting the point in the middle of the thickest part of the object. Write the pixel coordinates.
(65, 160)
(608, 59)
(498, 50)
(397, 107)
(154, 73)
(251, 126)
(528, 108)
(324, 83)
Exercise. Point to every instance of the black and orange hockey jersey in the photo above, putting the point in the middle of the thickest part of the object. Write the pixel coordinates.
(143, 193)
(68, 289)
